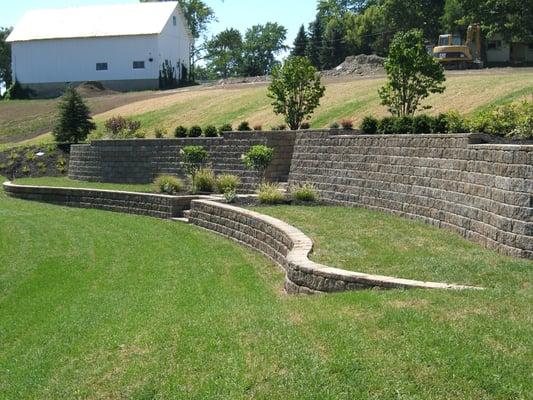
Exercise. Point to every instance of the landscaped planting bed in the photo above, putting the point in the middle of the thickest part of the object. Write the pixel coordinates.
(102, 305)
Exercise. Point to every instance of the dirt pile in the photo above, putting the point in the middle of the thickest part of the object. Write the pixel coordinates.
(241, 80)
(93, 89)
(361, 65)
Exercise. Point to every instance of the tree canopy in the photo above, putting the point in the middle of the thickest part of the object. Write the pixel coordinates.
(5, 57)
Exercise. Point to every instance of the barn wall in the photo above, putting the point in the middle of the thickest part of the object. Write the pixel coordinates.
(74, 60)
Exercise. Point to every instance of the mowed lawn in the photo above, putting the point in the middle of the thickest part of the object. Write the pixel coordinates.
(467, 91)
(63, 181)
(102, 305)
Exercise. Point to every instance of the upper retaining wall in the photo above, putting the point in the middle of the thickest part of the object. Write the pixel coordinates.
(140, 161)
(482, 191)
(153, 205)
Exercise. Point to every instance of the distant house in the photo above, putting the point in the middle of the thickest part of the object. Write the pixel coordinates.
(122, 46)
(501, 52)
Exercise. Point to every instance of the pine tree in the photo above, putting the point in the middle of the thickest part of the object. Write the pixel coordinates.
(333, 50)
(300, 43)
(315, 43)
(75, 122)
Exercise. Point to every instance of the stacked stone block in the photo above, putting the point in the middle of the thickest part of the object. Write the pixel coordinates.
(153, 205)
(482, 191)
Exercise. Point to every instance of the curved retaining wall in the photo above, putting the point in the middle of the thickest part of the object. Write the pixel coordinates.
(140, 161)
(482, 191)
(289, 247)
(154, 205)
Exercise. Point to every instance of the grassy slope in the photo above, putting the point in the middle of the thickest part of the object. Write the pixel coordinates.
(66, 182)
(102, 305)
(467, 92)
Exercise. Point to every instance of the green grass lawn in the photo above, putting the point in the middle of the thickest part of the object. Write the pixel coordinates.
(368, 241)
(66, 182)
(104, 305)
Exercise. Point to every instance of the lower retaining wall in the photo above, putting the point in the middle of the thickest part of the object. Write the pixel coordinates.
(153, 205)
(289, 248)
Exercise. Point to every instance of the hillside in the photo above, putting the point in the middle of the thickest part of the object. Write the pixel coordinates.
(466, 91)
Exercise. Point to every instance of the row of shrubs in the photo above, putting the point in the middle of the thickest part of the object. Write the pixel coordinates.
(271, 193)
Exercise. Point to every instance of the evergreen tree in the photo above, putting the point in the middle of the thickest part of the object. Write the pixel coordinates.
(300, 43)
(333, 51)
(75, 122)
(315, 43)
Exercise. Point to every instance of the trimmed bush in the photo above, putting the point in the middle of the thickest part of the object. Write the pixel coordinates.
(258, 158)
(211, 131)
(386, 126)
(195, 131)
(180, 132)
(230, 196)
(403, 125)
(160, 133)
(258, 127)
(168, 184)
(244, 126)
(118, 127)
(369, 125)
(227, 182)
(282, 127)
(204, 180)
(226, 128)
(334, 125)
(270, 193)
(347, 124)
(422, 123)
(305, 126)
(439, 124)
(305, 193)
(455, 122)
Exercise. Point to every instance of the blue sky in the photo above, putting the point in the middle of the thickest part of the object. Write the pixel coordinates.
(239, 14)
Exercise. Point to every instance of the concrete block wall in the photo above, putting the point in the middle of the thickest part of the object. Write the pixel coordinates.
(482, 191)
(140, 161)
(153, 205)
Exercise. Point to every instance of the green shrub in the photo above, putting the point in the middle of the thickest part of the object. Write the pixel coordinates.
(160, 133)
(305, 193)
(193, 158)
(244, 126)
(347, 124)
(439, 124)
(524, 124)
(369, 125)
(270, 193)
(17, 92)
(13, 156)
(226, 128)
(422, 123)
(230, 196)
(168, 184)
(140, 134)
(305, 126)
(282, 127)
(118, 127)
(211, 131)
(258, 158)
(258, 127)
(42, 167)
(30, 155)
(180, 132)
(204, 180)
(61, 165)
(403, 125)
(334, 125)
(386, 126)
(455, 122)
(195, 131)
(511, 120)
(227, 182)
(25, 170)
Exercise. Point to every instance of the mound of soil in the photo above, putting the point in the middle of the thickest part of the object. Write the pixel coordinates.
(361, 65)
(93, 89)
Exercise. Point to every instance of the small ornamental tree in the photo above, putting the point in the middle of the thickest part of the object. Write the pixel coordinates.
(296, 90)
(193, 158)
(258, 158)
(75, 122)
(413, 74)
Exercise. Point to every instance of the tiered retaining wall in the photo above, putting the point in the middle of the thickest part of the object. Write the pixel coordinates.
(154, 205)
(140, 161)
(482, 191)
(289, 248)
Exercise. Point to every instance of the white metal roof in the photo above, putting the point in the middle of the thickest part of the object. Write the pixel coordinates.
(95, 21)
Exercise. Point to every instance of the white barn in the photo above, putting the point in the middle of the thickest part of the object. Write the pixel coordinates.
(122, 46)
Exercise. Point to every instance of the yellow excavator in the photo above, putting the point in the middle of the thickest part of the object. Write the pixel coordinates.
(452, 53)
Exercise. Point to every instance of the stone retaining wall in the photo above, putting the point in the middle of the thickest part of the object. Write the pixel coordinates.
(289, 248)
(140, 161)
(154, 205)
(482, 191)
